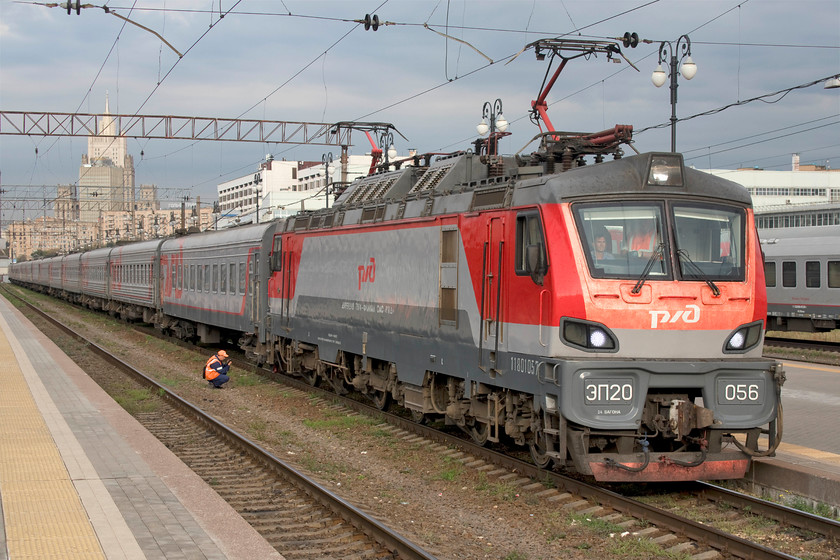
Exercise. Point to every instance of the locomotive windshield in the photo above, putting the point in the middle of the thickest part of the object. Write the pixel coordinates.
(630, 239)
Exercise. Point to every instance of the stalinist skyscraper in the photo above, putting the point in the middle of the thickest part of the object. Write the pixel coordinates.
(106, 177)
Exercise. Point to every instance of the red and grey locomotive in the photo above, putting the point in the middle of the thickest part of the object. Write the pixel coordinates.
(608, 315)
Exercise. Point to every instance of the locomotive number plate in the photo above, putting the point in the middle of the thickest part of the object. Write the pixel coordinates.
(740, 391)
(609, 391)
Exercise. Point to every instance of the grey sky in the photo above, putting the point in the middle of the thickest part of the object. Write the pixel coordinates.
(316, 65)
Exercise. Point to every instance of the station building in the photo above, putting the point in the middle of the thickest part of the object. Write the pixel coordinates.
(804, 196)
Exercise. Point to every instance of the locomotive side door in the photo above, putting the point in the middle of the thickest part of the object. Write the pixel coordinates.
(281, 281)
(492, 316)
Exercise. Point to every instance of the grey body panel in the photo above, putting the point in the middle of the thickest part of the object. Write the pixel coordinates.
(801, 246)
(95, 273)
(134, 270)
(203, 296)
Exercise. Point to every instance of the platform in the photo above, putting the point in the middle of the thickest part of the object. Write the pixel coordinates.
(80, 478)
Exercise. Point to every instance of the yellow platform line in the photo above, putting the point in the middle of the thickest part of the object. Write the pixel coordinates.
(43, 514)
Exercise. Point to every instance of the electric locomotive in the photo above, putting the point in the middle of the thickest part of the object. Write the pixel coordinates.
(469, 288)
(608, 315)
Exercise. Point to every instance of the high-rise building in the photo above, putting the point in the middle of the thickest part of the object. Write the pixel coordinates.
(106, 177)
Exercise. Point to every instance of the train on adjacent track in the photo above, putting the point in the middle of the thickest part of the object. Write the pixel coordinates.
(802, 271)
(468, 287)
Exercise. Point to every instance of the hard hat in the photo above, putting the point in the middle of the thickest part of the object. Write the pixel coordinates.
(222, 354)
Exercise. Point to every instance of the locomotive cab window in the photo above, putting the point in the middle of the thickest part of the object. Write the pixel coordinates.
(710, 242)
(624, 239)
(530, 247)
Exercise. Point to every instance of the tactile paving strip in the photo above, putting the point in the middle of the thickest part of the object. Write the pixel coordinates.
(43, 515)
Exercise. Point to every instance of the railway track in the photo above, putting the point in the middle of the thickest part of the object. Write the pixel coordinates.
(673, 532)
(300, 518)
(799, 344)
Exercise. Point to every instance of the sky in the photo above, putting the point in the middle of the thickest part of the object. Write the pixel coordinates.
(428, 70)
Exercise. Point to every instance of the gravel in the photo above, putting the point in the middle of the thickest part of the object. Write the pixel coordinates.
(451, 510)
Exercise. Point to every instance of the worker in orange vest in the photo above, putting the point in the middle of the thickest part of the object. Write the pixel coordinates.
(216, 368)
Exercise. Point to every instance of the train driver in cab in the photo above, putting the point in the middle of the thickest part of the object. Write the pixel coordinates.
(601, 245)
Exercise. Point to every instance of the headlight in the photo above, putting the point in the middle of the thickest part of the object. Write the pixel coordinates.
(744, 338)
(585, 335)
(736, 341)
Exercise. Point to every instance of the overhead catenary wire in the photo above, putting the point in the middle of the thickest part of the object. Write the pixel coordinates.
(601, 81)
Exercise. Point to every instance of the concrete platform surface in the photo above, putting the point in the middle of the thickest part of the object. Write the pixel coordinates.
(81, 478)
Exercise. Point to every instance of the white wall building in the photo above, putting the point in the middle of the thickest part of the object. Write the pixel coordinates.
(283, 188)
(807, 195)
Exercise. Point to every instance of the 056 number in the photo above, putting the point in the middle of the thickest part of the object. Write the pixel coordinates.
(741, 392)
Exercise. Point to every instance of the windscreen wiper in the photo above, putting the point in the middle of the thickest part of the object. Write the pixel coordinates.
(646, 272)
(698, 272)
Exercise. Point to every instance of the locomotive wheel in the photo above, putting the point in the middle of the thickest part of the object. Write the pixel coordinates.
(480, 432)
(417, 416)
(539, 451)
(381, 399)
(310, 376)
(338, 386)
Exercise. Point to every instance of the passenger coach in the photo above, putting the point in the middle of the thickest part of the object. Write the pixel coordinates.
(802, 268)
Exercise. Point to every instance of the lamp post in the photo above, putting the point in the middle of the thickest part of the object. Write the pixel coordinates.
(688, 69)
(257, 180)
(386, 144)
(493, 112)
(327, 160)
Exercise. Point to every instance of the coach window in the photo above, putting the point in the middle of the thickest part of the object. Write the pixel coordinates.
(834, 274)
(789, 274)
(243, 277)
(530, 247)
(223, 279)
(233, 277)
(812, 274)
(770, 274)
(199, 281)
(207, 278)
(215, 278)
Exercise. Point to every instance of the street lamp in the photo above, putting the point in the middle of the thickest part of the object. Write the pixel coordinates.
(327, 160)
(493, 112)
(687, 69)
(386, 144)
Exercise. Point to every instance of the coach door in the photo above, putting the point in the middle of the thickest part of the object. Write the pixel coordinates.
(254, 287)
(492, 332)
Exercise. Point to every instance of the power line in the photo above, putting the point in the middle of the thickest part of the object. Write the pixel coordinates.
(782, 93)
(685, 152)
